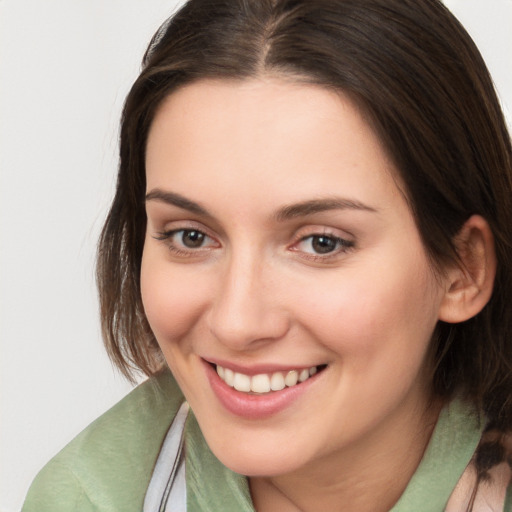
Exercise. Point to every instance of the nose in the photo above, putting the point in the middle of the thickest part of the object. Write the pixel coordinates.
(247, 311)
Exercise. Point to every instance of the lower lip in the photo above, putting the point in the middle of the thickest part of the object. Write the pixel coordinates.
(255, 406)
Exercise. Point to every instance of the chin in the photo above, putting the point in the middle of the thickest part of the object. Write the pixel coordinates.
(249, 459)
(258, 466)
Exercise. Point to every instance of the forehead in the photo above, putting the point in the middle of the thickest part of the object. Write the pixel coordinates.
(301, 139)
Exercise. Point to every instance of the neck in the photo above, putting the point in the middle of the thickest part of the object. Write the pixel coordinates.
(368, 476)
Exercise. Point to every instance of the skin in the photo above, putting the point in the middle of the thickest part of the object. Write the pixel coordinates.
(256, 292)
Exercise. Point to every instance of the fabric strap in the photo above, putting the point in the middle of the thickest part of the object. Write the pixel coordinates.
(167, 490)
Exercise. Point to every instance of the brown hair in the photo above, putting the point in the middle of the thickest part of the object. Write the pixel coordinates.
(417, 75)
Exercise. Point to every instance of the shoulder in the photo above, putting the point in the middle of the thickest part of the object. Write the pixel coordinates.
(108, 466)
(493, 465)
(486, 483)
(508, 458)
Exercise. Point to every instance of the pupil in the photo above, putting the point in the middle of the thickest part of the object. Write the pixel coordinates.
(323, 244)
(192, 239)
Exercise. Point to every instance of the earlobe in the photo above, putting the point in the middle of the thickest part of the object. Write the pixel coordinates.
(469, 284)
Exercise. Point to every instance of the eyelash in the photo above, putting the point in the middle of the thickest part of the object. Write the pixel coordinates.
(341, 245)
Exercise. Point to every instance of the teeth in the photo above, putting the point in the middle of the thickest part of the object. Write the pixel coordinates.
(229, 377)
(303, 375)
(277, 382)
(242, 382)
(264, 383)
(260, 383)
(291, 378)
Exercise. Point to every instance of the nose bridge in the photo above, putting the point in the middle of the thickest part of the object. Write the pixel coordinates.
(245, 309)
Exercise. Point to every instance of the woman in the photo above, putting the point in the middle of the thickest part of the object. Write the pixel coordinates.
(312, 230)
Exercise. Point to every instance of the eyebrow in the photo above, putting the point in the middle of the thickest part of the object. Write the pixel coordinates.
(287, 212)
(320, 205)
(176, 200)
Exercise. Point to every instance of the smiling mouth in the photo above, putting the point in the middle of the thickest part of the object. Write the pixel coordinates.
(266, 382)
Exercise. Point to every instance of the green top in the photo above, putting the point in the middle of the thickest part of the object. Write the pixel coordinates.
(108, 466)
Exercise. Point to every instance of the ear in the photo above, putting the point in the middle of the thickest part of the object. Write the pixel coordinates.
(470, 283)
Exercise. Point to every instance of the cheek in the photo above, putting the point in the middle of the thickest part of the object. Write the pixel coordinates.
(173, 299)
(375, 317)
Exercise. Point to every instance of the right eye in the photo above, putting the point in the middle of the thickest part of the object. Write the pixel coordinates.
(185, 241)
(190, 238)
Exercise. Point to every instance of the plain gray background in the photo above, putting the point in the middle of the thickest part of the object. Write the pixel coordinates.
(65, 68)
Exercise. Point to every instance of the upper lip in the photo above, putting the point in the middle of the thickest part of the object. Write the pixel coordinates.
(256, 369)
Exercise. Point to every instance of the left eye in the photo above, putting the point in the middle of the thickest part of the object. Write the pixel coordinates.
(323, 244)
(190, 238)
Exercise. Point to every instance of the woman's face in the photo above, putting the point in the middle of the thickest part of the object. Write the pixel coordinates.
(279, 248)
